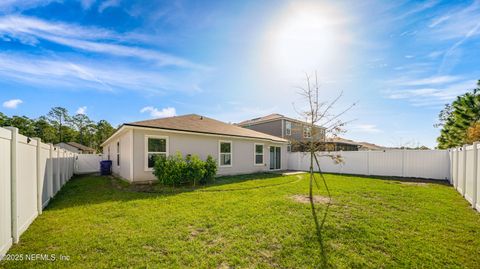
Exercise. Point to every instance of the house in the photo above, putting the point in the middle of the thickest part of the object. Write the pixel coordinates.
(340, 144)
(76, 147)
(295, 131)
(237, 150)
(370, 146)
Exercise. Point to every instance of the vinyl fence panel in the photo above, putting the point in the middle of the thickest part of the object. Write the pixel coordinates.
(31, 172)
(433, 164)
(26, 189)
(461, 169)
(5, 188)
(87, 163)
(44, 173)
(469, 176)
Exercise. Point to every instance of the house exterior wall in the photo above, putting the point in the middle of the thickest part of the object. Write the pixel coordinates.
(124, 169)
(278, 128)
(297, 132)
(271, 127)
(204, 145)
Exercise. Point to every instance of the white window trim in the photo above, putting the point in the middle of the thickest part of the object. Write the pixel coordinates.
(310, 133)
(145, 150)
(255, 154)
(219, 153)
(288, 131)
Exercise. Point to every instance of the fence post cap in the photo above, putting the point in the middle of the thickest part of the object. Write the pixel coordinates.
(14, 129)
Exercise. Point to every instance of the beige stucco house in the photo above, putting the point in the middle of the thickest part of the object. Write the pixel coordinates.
(237, 150)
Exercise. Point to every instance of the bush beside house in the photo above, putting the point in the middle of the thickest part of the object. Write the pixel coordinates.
(176, 170)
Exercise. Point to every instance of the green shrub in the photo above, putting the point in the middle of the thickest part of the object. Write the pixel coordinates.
(195, 169)
(175, 170)
(210, 170)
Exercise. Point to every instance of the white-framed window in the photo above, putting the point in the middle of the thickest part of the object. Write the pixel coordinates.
(154, 146)
(289, 147)
(225, 153)
(118, 153)
(307, 132)
(288, 128)
(258, 154)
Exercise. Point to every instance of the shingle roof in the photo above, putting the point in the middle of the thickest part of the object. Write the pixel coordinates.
(261, 119)
(80, 146)
(201, 124)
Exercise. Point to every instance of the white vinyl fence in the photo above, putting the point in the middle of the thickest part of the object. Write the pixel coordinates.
(432, 164)
(31, 173)
(465, 172)
(87, 163)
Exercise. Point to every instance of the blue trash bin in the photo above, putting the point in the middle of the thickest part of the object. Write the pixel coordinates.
(106, 168)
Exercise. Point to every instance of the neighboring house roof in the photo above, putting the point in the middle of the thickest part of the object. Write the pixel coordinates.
(371, 146)
(200, 124)
(78, 146)
(271, 117)
(342, 140)
(363, 145)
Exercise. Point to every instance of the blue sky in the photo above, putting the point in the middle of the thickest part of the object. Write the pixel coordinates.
(233, 60)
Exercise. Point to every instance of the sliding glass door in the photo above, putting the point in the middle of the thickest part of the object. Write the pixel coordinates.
(275, 158)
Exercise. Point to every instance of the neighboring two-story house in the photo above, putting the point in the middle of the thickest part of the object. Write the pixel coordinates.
(295, 131)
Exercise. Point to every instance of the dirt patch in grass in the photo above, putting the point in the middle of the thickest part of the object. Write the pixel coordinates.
(305, 199)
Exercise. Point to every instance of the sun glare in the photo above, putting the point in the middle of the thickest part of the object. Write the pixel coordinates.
(306, 37)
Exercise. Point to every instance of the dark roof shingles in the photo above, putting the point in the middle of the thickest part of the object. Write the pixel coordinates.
(202, 124)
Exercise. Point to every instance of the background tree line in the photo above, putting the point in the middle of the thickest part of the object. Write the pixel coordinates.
(460, 120)
(58, 126)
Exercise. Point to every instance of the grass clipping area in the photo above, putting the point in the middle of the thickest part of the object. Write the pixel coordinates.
(254, 221)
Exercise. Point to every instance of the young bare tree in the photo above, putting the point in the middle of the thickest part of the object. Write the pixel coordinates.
(320, 119)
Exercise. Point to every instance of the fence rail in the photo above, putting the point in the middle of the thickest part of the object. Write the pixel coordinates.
(31, 173)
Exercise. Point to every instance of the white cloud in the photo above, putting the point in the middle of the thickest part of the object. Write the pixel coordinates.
(163, 113)
(19, 5)
(427, 81)
(12, 103)
(435, 54)
(82, 110)
(58, 73)
(439, 20)
(365, 128)
(409, 56)
(418, 9)
(86, 4)
(457, 23)
(107, 4)
(434, 95)
(29, 30)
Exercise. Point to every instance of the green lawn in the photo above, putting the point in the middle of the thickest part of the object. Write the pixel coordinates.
(253, 222)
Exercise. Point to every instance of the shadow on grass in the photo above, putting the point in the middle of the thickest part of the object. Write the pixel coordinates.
(402, 179)
(87, 189)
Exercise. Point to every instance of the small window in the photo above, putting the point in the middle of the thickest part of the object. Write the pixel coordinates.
(118, 153)
(288, 128)
(307, 132)
(258, 154)
(225, 153)
(155, 146)
(289, 147)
